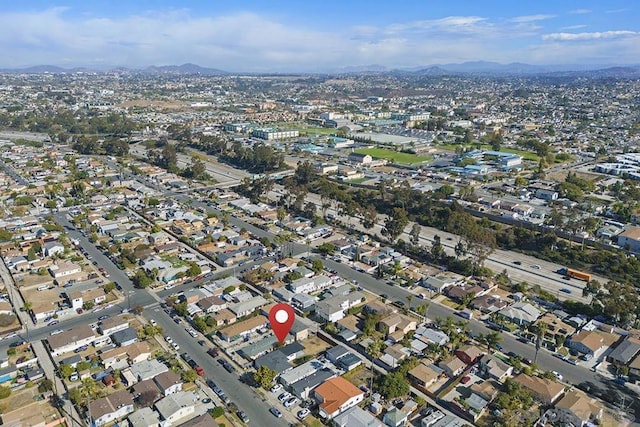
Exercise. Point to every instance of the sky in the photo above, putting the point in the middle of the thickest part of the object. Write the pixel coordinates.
(307, 35)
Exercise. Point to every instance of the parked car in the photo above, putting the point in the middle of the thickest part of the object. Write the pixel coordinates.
(175, 346)
(53, 323)
(290, 402)
(276, 388)
(243, 417)
(302, 414)
(284, 396)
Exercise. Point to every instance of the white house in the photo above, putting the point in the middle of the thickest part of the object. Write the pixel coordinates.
(175, 407)
(70, 340)
(111, 408)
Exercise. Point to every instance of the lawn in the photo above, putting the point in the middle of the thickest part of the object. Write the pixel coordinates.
(394, 156)
(527, 155)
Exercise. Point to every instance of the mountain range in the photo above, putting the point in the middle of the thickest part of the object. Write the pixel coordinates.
(474, 68)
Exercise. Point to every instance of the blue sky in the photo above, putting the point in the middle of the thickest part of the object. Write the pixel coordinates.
(324, 35)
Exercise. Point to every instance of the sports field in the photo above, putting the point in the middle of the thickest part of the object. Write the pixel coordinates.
(393, 156)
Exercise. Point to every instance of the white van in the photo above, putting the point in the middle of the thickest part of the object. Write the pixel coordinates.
(43, 287)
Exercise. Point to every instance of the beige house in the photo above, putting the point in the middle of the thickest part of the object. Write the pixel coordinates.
(544, 390)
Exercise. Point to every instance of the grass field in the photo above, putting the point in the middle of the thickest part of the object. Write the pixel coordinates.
(527, 155)
(394, 156)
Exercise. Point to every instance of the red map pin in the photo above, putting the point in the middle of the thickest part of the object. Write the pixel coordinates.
(281, 318)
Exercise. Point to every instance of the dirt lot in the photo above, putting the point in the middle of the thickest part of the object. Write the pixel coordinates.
(359, 376)
(33, 280)
(25, 397)
(37, 298)
(314, 345)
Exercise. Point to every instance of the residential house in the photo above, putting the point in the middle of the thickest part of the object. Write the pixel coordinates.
(111, 408)
(356, 417)
(247, 307)
(488, 303)
(175, 407)
(395, 418)
(114, 324)
(303, 387)
(168, 382)
(545, 390)
(70, 340)
(556, 331)
(337, 395)
(423, 374)
(452, 366)
(224, 317)
(521, 313)
(577, 409)
(145, 417)
(149, 389)
(332, 309)
(204, 420)
(395, 354)
(624, 353)
(397, 322)
(586, 342)
(490, 366)
(65, 269)
(212, 304)
(146, 369)
(115, 358)
(630, 238)
(52, 248)
(125, 337)
(243, 328)
(468, 353)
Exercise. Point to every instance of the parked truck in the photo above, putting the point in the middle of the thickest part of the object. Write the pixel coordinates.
(568, 272)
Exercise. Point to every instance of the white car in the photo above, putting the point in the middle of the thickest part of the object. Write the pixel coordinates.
(168, 339)
(175, 346)
(56, 332)
(276, 388)
(289, 403)
(303, 413)
(557, 375)
(535, 267)
(153, 322)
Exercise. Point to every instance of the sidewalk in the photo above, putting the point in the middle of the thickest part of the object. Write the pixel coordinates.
(69, 411)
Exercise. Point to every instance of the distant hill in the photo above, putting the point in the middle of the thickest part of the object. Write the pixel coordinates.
(465, 68)
(184, 69)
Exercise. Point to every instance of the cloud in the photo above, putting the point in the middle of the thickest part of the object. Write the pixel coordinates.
(573, 27)
(616, 10)
(531, 18)
(589, 36)
(245, 41)
(580, 11)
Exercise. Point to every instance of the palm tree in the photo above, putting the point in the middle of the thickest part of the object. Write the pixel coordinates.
(492, 339)
(409, 299)
(541, 329)
(422, 310)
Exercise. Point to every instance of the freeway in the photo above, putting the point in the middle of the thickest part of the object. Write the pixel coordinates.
(518, 266)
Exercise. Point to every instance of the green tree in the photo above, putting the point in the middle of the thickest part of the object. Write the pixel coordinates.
(45, 385)
(317, 266)
(395, 223)
(109, 287)
(394, 385)
(264, 376)
(216, 412)
(194, 270)
(189, 376)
